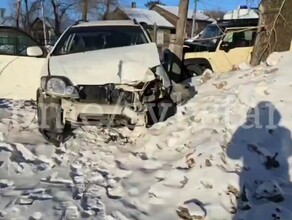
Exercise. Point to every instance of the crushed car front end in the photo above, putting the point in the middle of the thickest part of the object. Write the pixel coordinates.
(109, 104)
(104, 73)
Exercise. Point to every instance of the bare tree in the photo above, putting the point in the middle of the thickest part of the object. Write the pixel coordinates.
(215, 14)
(18, 12)
(96, 9)
(151, 3)
(22, 13)
(60, 10)
(27, 21)
(275, 30)
(29, 12)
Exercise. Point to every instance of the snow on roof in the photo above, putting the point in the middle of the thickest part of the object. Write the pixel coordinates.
(242, 14)
(148, 16)
(174, 10)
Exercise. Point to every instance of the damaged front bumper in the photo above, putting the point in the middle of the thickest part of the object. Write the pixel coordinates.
(101, 114)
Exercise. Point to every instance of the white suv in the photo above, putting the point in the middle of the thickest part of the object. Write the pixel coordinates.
(105, 73)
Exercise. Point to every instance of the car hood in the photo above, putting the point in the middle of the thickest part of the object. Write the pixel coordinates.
(199, 46)
(124, 65)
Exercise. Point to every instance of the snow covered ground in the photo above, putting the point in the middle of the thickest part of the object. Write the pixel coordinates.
(232, 140)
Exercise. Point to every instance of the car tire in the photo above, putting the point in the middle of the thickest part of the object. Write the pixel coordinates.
(195, 69)
(50, 118)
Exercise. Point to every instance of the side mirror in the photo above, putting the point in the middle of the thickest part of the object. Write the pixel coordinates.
(226, 47)
(34, 51)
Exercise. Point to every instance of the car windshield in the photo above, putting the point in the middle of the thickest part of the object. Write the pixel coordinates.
(82, 39)
(211, 31)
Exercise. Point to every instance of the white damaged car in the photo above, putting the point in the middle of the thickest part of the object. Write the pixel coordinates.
(106, 73)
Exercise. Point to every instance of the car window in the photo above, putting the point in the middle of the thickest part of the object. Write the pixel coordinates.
(14, 42)
(82, 39)
(240, 38)
(210, 31)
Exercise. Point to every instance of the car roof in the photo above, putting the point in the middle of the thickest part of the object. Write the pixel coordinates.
(106, 23)
(237, 23)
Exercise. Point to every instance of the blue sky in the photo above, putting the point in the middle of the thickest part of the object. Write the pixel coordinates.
(205, 4)
(202, 5)
(3, 4)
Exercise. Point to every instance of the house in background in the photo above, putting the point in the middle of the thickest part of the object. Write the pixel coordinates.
(152, 19)
(170, 13)
(37, 29)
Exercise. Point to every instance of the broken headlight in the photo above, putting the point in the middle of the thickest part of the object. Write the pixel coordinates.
(60, 86)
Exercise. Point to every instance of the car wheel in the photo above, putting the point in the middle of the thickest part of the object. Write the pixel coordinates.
(50, 118)
(195, 70)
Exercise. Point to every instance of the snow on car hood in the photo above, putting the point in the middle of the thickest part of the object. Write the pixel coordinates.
(123, 65)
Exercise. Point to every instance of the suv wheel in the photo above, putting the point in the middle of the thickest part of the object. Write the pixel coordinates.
(50, 118)
(195, 69)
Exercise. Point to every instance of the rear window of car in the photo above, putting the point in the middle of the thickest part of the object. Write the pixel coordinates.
(82, 39)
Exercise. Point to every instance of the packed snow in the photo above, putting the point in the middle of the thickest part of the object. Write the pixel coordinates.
(226, 154)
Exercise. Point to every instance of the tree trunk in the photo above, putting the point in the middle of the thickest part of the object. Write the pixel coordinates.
(18, 7)
(27, 16)
(107, 10)
(180, 28)
(276, 17)
(56, 18)
(85, 10)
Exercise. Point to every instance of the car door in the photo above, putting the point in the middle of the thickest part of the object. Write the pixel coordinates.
(19, 73)
(235, 48)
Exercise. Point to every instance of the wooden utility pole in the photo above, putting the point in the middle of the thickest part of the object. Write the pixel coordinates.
(275, 31)
(180, 28)
(85, 10)
(18, 7)
(194, 19)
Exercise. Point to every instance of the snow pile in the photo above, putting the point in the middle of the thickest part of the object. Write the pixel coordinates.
(227, 151)
(225, 155)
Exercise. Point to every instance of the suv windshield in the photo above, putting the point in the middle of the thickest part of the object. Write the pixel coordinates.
(211, 31)
(82, 39)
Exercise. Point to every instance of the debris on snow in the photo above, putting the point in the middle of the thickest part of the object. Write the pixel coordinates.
(4, 183)
(244, 66)
(220, 85)
(207, 75)
(26, 154)
(53, 178)
(274, 59)
(36, 216)
(191, 210)
(72, 213)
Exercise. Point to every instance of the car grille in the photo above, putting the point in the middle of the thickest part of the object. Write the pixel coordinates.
(105, 94)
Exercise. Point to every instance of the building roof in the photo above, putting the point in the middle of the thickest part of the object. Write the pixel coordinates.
(49, 22)
(106, 23)
(242, 14)
(150, 17)
(174, 10)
